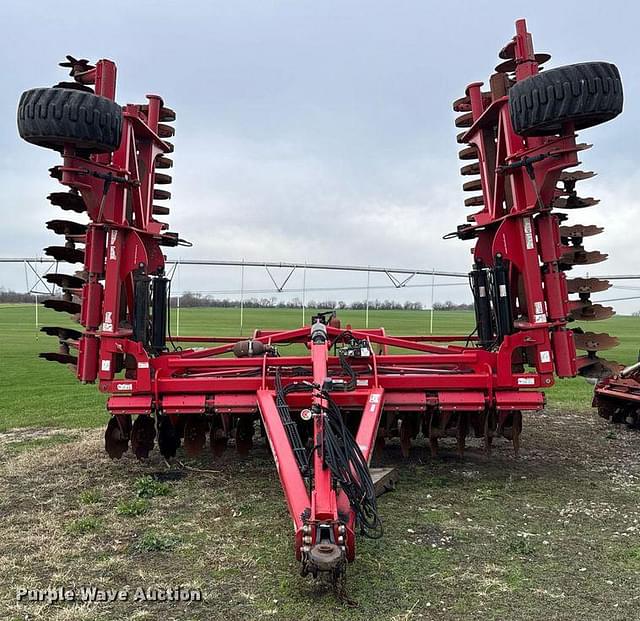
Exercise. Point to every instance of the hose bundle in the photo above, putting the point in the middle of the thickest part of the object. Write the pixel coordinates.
(289, 425)
(343, 457)
(348, 370)
(341, 453)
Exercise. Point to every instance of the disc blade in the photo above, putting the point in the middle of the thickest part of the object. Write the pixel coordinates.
(162, 179)
(474, 185)
(464, 120)
(143, 434)
(597, 368)
(68, 201)
(468, 153)
(58, 357)
(583, 146)
(462, 104)
(474, 201)
(574, 202)
(166, 114)
(168, 437)
(576, 255)
(161, 195)
(77, 65)
(509, 66)
(65, 281)
(62, 333)
(578, 231)
(218, 441)
(68, 228)
(508, 51)
(587, 285)
(164, 162)
(116, 436)
(592, 341)
(592, 312)
(195, 434)
(62, 253)
(166, 131)
(244, 435)
(63, 306)
(75, 86)
(471, 169)
(571, 176)
(578, 304)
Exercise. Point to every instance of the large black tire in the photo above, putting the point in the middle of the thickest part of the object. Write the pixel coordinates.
(586, 94)
(52, 117)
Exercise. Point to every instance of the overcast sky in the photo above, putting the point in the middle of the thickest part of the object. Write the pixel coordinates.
(315, 131)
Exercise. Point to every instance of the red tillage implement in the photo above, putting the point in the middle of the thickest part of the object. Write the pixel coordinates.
(324, 411)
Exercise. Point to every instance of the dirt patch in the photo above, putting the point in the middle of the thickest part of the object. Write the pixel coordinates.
(554, 534)
(28, 434)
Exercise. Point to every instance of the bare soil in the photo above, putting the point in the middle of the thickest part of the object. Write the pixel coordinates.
(554, 534)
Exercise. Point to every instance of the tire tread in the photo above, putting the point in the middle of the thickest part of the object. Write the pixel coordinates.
(586, 94)
(50, 117)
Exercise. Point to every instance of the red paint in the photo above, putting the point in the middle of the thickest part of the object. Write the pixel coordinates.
(433, 373)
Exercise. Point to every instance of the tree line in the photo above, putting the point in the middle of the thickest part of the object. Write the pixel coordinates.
(7, 296)
(194, 300)
(197, 300)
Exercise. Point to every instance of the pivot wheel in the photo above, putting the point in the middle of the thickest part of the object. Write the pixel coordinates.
(585, 94)
(53, 117)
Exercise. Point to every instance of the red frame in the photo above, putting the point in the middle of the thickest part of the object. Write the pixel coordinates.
(431, 376)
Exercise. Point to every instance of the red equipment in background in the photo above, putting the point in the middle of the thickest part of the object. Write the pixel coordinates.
(617, 396)
(324, 409)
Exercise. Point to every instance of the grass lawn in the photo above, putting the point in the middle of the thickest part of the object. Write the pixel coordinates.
(34, 392)
(554, 534)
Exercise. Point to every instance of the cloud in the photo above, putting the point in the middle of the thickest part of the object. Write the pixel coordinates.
(317, 132)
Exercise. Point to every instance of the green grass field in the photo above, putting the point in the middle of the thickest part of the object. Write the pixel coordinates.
(34, 392)
(553, 534)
